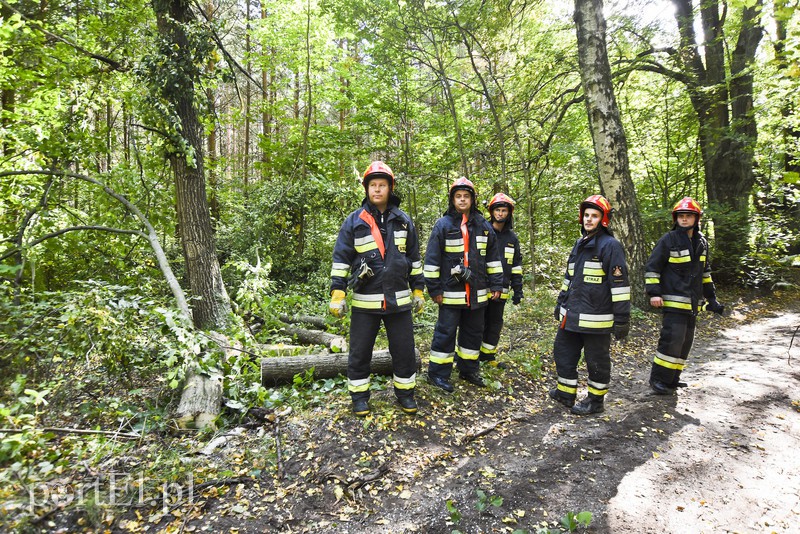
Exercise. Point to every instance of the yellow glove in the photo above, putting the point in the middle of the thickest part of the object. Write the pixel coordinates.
(338, 306)
(418, 301)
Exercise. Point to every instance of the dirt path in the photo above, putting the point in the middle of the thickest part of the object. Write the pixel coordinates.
(734, 466)
(720, 457)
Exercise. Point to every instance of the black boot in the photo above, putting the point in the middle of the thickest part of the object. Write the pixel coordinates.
(407, 404)
(569, 402)
(588, 405)
(360, 407)
(440, 382)
(660, 388)
(473, 378)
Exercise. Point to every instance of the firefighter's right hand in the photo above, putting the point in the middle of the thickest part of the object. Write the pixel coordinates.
(418, 301)
(338, 306)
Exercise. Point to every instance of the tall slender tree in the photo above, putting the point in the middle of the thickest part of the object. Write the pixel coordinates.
(608, 137)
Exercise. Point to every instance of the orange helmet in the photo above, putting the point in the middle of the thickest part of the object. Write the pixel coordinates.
(687, 205)
(597, 202)
(378, 169)
(466, 185)
(501, 199)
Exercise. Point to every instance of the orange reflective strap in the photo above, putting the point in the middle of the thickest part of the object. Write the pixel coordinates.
(465, 236)
(374, 230)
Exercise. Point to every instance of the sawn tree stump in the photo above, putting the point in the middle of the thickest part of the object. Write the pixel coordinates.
(278, 371)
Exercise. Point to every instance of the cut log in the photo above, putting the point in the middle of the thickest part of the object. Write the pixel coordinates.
(313, 320)
(201, 399)
(315, 337)
(278, 371)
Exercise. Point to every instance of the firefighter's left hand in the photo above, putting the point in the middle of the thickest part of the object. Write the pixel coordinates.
(621, 330)
(716, 307)
(517, 297)
(418, 301)
(496, 295)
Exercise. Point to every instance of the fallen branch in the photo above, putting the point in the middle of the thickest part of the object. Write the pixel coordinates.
(282, 370)
(125, 435)
(313, 320)
(317, 337)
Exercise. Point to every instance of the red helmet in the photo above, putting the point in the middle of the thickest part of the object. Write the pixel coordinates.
(501, 199)
(378, 169)
(686, 205)
(466, 185)
(597, 202)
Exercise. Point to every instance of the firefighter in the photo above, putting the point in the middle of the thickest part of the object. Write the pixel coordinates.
(462, 272)
(595, 300)
(678, 281)
(376, 256)
(501, 210)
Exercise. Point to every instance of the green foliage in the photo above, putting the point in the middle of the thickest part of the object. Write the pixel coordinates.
(571, 522)
(455, 515)
(484, 501)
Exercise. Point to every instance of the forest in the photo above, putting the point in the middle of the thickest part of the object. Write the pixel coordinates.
(174, 174)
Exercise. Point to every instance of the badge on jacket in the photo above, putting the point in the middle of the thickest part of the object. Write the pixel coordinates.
(616, 272)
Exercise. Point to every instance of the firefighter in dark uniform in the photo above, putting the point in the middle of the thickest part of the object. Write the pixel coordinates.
(501, 210)
(678, 280)
(595, 300)
(377, 256)
(462, 272)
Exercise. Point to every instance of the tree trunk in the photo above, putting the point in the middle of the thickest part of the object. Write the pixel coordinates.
(202, 396)
(727, 124)
(608, 136)
(277, 371)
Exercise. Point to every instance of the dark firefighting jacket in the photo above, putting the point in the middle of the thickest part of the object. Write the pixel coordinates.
(595, 292)
(679, 272)
(448, 250)
(396, 271)
(511, 258)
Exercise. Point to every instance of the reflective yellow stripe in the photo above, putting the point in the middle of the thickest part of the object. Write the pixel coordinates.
(678, 305)
(404, 383)
(598, 392)
(468, 354)
(567, 389)
(369, 302)
(595, 272)
(591, 320)
(620, 294)
(431, 271)
(658, 360)
(681, 259)
(517, 269)
(707, 278)
(494, 267)
(441, 357)
(454, 297)
(652, 280)
(488, 349)
(357, 386)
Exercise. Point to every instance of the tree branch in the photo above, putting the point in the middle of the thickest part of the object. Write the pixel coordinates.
(71, 229)
(115, 65)
(151, 235)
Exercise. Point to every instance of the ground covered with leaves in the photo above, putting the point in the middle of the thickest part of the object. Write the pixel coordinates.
(500, 459)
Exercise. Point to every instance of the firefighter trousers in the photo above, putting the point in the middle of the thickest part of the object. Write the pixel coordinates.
(400, 333)
(567, 353)
(467, 323)
(674, 344)
(493, 324)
